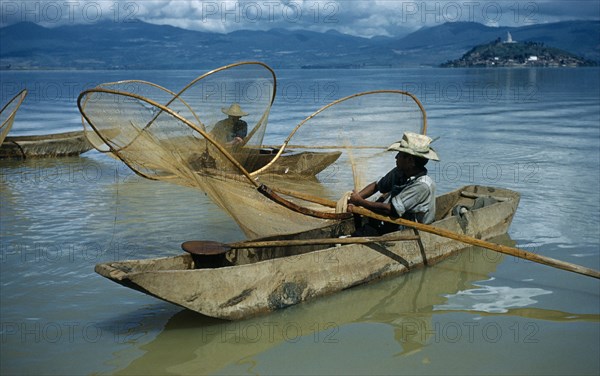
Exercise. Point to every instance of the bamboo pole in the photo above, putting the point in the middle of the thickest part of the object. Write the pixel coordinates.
(482, 243)
(290, 146)
(517, 252)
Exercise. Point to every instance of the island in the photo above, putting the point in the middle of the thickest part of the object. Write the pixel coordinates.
(510, 53)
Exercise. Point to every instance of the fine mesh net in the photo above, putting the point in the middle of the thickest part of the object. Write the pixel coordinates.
(8, 113)
(267, 189)
(245, 89)
(357, 130)
(139, 88)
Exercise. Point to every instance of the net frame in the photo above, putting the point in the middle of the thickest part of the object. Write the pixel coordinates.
(230, 66)
(262, 188)
(86, 94)
(299, 201)
(6, 124)
(93, 135)
(119, 87)
(286, 145)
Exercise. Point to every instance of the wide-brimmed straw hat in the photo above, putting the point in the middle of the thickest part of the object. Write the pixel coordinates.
(234, 110)
(415, 144)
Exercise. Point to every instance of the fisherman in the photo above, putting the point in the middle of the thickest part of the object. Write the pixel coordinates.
(233, 130)
(407, 190)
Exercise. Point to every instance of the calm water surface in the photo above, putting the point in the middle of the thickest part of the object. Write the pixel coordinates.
(536, 131)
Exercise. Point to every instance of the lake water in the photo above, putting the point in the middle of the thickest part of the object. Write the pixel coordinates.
(536, 131)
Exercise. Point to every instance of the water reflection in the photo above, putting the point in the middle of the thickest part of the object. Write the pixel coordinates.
(192, 343)
(493, 299)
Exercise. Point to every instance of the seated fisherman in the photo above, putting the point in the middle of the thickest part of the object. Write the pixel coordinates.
(231, 131)
(410, 192)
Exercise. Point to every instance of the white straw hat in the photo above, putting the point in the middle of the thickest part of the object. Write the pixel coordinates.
(415, 144)
(234, 110)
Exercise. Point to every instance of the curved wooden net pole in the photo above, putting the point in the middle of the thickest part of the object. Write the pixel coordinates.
(172, 93)
(21, 95)
(124, 82)
(263, 189)
(86, 96)
(288, 139)
(15, 101)
(177, 96)
(166, 110)
(225, 67)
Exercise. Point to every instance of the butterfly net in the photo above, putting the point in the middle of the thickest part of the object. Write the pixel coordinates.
(357, 129)
(189, 138)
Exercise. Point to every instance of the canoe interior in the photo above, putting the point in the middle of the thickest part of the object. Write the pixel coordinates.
(444, 204)
(465, 196)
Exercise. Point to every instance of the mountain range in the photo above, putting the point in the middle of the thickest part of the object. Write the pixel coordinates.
(140, 45)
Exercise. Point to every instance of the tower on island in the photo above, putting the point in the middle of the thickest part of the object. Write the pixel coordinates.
(509, 38)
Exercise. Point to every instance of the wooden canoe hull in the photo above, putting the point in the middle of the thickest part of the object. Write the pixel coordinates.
(305, 163)
(43, 146)
(258, 283)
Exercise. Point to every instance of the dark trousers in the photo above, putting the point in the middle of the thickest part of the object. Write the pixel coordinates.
(372, 227)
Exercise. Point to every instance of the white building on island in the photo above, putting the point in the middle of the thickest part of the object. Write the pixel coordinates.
(509, 38)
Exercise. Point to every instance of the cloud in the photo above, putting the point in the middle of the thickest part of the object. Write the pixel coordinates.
(365, 18)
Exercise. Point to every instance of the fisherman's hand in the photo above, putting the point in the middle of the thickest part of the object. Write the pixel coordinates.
(355, 198)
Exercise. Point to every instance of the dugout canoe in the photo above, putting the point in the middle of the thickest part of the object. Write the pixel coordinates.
(43, 146)
(304, 163)
(255, 281)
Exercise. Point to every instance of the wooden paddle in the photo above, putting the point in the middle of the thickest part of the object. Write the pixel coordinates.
(481, 243)
(201, 247)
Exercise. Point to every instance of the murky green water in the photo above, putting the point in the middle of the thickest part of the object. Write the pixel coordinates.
(534, 131)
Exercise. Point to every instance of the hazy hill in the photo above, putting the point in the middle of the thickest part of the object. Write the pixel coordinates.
(429, 46)
(140, 45)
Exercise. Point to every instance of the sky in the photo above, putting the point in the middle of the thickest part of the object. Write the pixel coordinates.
(355, 17)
